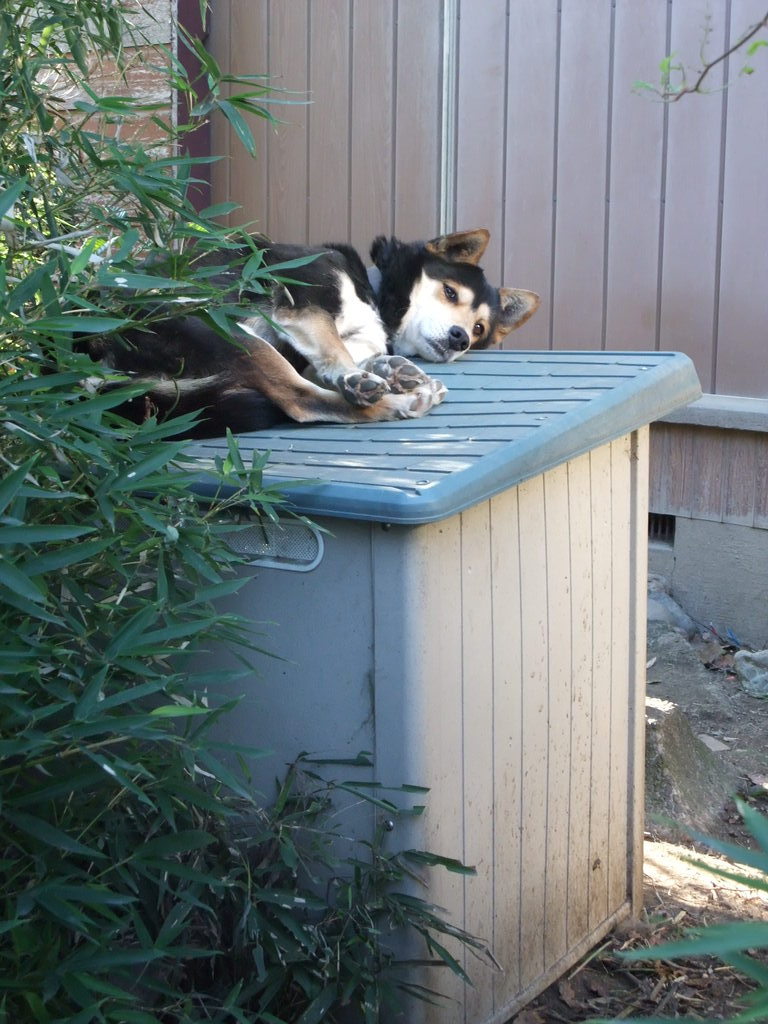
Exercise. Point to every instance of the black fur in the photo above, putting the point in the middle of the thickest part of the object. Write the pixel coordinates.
(400, 263)
(189, 366)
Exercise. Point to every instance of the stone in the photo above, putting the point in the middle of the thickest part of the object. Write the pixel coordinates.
(712, 744)
(662, 607)
(752, 670)
(687, 785)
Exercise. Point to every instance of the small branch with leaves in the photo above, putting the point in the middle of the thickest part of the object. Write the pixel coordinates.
(670, 92)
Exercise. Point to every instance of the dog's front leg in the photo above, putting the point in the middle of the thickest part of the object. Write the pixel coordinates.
(268, 373)
(313, 333)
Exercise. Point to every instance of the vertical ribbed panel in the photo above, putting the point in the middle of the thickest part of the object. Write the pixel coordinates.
(514, 691)
(642, 225)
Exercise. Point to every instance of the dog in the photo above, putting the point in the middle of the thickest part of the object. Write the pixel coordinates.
(328, 344)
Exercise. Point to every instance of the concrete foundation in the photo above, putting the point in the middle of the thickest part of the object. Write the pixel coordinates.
(718, 572)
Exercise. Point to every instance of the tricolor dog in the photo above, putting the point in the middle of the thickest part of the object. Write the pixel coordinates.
(329, 345)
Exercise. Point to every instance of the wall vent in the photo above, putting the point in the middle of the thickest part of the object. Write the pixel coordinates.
(661, 528)
(284, 544)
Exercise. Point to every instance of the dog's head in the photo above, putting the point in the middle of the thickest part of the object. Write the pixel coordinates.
(435, 300)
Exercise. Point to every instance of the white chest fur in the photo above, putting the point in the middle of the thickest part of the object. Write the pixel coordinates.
(359, 325)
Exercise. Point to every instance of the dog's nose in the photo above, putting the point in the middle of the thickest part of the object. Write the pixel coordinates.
(458, 339)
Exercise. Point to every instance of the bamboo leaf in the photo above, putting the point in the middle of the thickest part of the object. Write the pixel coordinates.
(239, 124)
(46, 833)
(31, 534)
(82, 324)
(12, 483)
(319, 1007)
(174, 843)
(18, 583)
(9, 195)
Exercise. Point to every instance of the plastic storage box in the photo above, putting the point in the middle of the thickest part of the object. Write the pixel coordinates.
(475, 617)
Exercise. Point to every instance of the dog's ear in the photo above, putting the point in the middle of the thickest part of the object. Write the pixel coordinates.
(517, 306)
(461, 246)
(383, 249)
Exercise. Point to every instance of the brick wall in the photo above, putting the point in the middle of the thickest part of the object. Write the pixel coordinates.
(144, 73)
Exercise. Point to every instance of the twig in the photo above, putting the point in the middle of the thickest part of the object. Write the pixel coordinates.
(673, 97)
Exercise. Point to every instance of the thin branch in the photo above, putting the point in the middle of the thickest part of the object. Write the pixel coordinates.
(674, 96)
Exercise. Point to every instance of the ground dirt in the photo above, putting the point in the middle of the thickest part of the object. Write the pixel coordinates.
(696, 674)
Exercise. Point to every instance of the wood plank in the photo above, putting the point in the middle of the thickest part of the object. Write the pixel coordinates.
(622, 668)
(219, 44)
(692, 198)
(674, 471)
(481, 113)
(559, 697)
(761, 488)
(742, 451)
(534, 635)
(581, 175)
(659, 478)
(530, 161)
(329, 143)
(637, 147)
(638, 574)
(435, 575)
(371, 127)
(478, 722)
(417, 642)
(709, 471)
(602, 608)
(581, 630)
(249, 54)
(417, 120)
(507, 741)
(744, 262)
(287, 149)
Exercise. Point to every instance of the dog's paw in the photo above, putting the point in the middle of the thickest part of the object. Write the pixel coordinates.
(400, 373)
(361, 388)
(420, 400)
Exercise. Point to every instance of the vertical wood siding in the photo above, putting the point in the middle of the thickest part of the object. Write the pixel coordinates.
(642, 225)
(710, 473)
(522, 711)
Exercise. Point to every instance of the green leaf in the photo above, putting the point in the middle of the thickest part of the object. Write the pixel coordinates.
(178, 711)
(138, 472)
(54, 561)
(81, 261)
(19, 584)
(435, 860)
(319, 1007)
(9, 195)
(80, 323)
(174, 843)
(239, 124)
(219, 210)
(32, 534)
(124, 279)
(134, 628)
(11, 484)
(46, 833)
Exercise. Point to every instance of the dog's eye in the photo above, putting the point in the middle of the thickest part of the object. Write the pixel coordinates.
(478, 330)
(450, 293)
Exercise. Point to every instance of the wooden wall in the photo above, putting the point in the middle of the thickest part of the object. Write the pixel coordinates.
(710, 473)
(642, 225)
